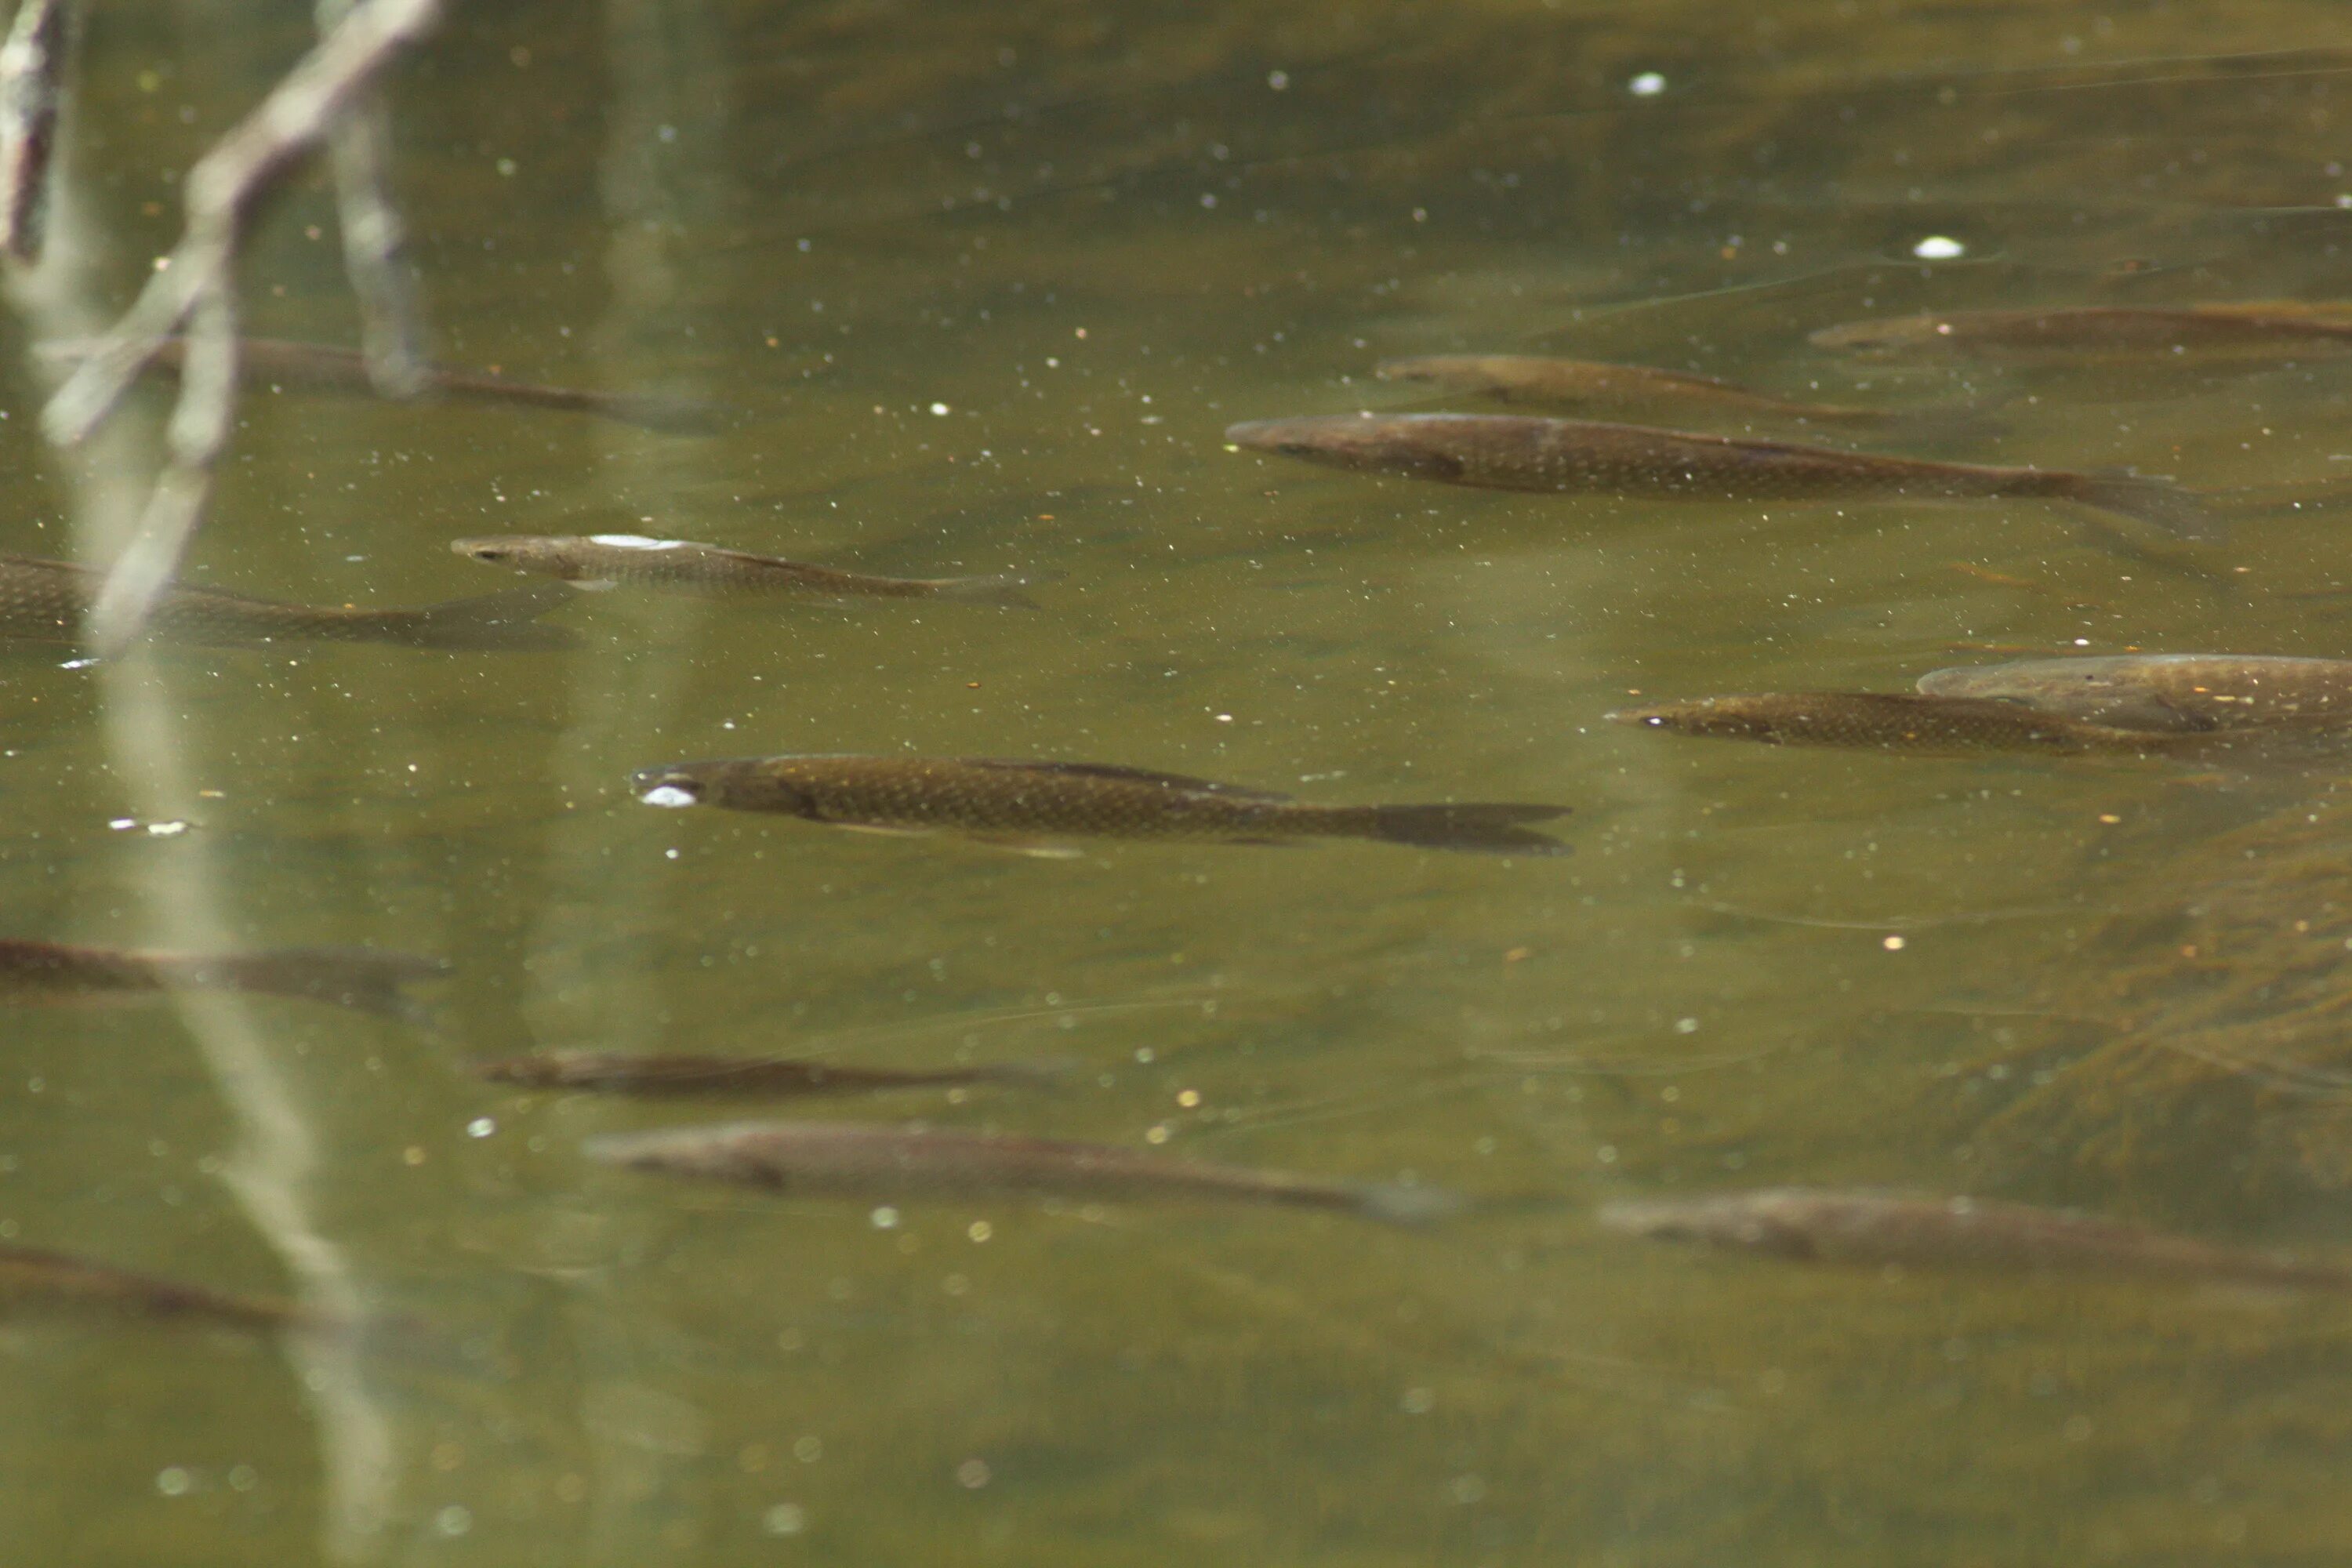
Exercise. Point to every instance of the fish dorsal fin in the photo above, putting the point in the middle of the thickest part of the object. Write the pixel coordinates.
(1129, 775)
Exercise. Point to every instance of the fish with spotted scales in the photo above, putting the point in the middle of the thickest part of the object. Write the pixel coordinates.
(1034, 805)
(1520, 452)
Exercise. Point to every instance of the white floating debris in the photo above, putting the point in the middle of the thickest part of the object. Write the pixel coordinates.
(122, 824)
(1649, 84)
(668, 794)
(636, 542)
(940, 409)
(172, 829)
(1939, 247)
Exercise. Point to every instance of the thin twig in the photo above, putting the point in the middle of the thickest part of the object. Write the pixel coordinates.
(375, 241)
(32, 89)
(195, 288)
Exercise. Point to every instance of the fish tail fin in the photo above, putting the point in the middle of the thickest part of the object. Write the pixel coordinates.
(1488, 830)
(1410, 1204)
(1003, 589)
(499, 620)
(2159, 503)
(366, 979)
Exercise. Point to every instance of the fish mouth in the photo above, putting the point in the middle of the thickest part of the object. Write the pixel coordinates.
(666, 787)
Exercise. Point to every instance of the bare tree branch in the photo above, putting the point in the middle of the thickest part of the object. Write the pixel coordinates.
(32, 89)
(376, 242)
(195, 288)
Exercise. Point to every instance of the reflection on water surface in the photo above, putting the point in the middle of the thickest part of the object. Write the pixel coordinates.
(978, 289)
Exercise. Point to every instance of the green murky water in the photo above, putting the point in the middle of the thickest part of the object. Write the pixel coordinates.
(987, 283)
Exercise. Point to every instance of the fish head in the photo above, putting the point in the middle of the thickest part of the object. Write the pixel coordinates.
(1364, 443)
(521, 551)
(1892, 335)
(743, 784)
(1740, 717)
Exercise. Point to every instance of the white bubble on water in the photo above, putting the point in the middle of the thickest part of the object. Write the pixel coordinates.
(1939, 247)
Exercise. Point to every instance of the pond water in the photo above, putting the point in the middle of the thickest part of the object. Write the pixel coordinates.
(981, 286)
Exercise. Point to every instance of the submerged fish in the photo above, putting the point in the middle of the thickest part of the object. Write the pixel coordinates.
(45, 601)
(1587, 386)
(1030, 803)
(613, 1073)
(1517, 452)
(2167, 693)
(329, 368)
(38, 974)
(1895, 720)
(35, 1280)
(1821, 1225)
(2261, 326)
(606, 559)
(866, 1161)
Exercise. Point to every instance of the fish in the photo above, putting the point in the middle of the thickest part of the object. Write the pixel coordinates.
(2262, 326)
(598, 561)
(613, 1073)
(2166, 693)
(365, 979)
(1520, 452)
(34, 1278)
(1816, 1224)
(1588, 386)
(865, 1160)
(45, 601)
(1892, 721)
(1028, 804)
(32, 91)
(328, 367)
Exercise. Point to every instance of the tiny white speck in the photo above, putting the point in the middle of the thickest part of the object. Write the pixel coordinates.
(940, 409)
(455, 1520)
(481, 1127)
(786, 1518)
(1208, 199)
(668, 794)
(123, 824)
(1938, 247)
(1649, 84)
(1224, 717)
(77, 664)
(636, 542)
(1686, 1025)
(174, 1481)
(166, 829)
(669, 854)
(884, 1218)
(2082, 642)
(1893, 944)
(1277, 80)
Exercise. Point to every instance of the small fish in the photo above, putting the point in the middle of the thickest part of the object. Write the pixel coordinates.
(1873, 1228)
(2166, 693)
(326, 367)
(866, 1161)
(35, 1280)
(1517, 452)
(45, 601)
(47, 974)
(2263, 327)
(1586, 386)
(32, 72)
(613, 1073)
(608, 560)
(1892, 721)
(1024, 804)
